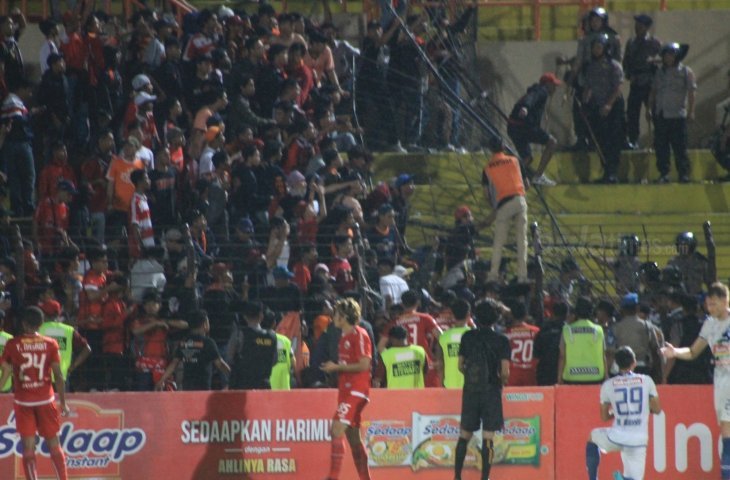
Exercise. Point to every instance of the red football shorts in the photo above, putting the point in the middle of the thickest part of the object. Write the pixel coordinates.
(349, 409)
(43, 419)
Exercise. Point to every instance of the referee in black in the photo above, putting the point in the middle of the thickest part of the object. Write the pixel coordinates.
(484, 357)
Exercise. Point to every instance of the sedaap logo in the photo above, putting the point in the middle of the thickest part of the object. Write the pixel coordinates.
(95, 441)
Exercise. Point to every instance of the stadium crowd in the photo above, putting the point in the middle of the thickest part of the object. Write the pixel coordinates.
(202, 180)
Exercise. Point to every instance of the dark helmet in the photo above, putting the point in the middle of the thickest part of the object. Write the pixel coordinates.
(688, 239)
(600, 13)
(672, 47)
(649, 272)
(672, 276)
(601, 38)
(629, 245)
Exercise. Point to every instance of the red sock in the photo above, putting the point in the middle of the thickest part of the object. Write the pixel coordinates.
(338, 451)
(360, 456)
(29, 466)
(59, 462)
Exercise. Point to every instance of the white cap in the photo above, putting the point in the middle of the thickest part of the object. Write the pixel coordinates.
(143, 97)
(140, 81)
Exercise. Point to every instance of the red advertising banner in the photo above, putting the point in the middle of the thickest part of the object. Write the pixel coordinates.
(263, 435)
(682, 439)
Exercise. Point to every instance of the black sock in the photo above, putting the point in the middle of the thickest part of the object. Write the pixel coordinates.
(487, 455)
(460, 456)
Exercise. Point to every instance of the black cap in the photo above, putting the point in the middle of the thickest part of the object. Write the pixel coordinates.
(644, 19)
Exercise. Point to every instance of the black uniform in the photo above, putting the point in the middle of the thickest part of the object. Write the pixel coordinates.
(197, 354)
(547, 350)
(253, 352)
(483, 351)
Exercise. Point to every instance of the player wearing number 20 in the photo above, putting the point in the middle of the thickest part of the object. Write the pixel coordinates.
(521, 335)
(627, 398)
(31, 358)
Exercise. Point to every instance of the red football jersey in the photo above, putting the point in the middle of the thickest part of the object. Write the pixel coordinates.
(354, 346)
(523, 364)
(92, 281)
(422, 330)
(31, 356)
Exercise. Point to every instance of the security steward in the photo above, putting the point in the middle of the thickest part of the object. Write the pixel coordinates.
(484, 357)
(504, 189)
(403, 365)
(252, 352)
(639, 70)
(604, 105)
(582, 348)
(448, 346)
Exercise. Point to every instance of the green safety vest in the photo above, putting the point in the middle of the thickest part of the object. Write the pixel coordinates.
(450, 341)
(404, 366)
(64, 335)
(584, 352)
(281, 371)
(4, 337)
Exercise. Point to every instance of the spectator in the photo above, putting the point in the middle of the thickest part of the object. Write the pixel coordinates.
(114, 339)
(284, 296)
(206, 39)
(197, 353)
(54, 95)
(272, 78)
(241, 114)
(140, 220)
(252, 352)
(163, 191)
(521, 335)
(638, 334)
(147, 273)
(392, 286)
(93, 173)
(120, 188)
(340, 268)
(49, 29)
(11, 28)
(93, 296)
(17, 152)
(547, 344)
(149, 342)
(384, 237)
(51, 221)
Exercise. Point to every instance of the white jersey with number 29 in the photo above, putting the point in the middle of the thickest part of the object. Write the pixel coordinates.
(629, 396)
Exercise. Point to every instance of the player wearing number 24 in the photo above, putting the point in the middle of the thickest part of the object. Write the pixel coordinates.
(31, 358)
(628, 399)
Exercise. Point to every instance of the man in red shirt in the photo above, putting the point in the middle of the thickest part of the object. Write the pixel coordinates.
(521, 335)
(50, 221)
(340, 267)
(57, 169)
(422, 330)
(94, 293)
(31, 358)
(353, 369)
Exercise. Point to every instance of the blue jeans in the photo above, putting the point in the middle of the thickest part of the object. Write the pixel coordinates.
(20, 168)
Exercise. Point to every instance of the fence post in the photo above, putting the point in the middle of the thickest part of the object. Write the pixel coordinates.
(537, 31)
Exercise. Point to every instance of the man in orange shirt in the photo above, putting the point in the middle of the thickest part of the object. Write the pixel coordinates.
(504, 189)
(120, 188)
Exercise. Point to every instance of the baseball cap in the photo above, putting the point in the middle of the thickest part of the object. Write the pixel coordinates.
(549, 77)
(403, 179)
(66, 186)
(402, 271)
(245, 225)
(282, 272)
(644, 19)
(51, 308)
(630, 300)
(144, 97)
(140, 81)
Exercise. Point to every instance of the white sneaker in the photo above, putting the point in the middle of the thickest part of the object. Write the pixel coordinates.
(544, 181)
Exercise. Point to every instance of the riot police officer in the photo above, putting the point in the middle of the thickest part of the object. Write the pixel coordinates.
(626, 266)
(693, 265)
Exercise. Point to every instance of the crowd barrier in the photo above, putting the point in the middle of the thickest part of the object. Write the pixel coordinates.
(409, 435)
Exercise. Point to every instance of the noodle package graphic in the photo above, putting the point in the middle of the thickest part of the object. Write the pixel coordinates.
(388, 443)
(435, 437)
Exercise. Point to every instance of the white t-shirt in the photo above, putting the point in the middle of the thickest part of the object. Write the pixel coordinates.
(629, 396)
(717, 335)
(394, 286)
(147, 157)
(205, 163)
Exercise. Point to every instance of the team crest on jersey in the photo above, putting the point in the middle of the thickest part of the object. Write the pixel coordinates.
(95, 441)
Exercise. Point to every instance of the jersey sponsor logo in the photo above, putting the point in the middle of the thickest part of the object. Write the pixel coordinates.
(96, 442)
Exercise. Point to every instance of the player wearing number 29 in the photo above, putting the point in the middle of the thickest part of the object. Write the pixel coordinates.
(627, 398)
(521, 335)
(715, 333)
(353, 369)
(31, 358)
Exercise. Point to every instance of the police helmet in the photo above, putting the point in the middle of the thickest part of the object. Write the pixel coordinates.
(629, 245)
(600, 13)
(688, 239)
(672, 47)
(672, 276)
(649, 272)
(601, 38)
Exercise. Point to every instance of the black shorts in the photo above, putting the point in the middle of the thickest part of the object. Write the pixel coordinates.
(523, 136)
(482, 408)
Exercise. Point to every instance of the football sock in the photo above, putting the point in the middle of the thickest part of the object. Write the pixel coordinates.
(338, 451)
(59, 462)
(29, 466)
(487, 457)
(460, 456)
(593, 458)
(360, 456)
(725, 459)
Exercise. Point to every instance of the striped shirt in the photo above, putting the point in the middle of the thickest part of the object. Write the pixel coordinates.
(141, 217)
